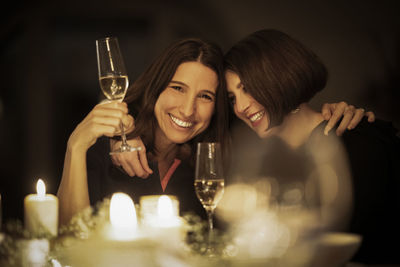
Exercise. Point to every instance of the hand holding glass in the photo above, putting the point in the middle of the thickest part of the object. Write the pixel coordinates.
(113, 78)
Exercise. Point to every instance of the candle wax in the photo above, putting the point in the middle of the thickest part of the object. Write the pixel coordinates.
(41, 214)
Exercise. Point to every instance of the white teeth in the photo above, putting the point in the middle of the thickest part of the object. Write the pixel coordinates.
(181, 123)
(256, 116)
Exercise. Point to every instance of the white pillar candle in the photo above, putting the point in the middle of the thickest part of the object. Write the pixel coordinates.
(41, 211)
(123, 221)
(165, 213)
(149, 208)
(161, 219)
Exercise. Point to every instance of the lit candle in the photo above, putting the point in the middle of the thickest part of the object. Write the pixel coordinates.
(123, 219)
(165, 213)
(161, 220)
(120, 241)
(149, 208)
(41, 211)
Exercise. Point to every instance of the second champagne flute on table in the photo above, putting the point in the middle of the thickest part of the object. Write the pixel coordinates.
(209, 181)
(113, 78)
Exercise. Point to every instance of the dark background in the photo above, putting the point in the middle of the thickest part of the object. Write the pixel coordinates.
(49, 74)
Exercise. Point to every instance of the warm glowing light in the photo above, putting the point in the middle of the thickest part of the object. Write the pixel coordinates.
(56, 263)
(123, 218)
(234, 208)
(342, 245)
(122, 211)
(165, 208)
(41, 211)
(41, 188)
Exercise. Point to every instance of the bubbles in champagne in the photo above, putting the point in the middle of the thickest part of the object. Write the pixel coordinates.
(114, 87)
(209, 192)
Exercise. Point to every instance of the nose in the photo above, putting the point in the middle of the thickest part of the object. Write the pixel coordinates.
(242, 103)
(188, 106)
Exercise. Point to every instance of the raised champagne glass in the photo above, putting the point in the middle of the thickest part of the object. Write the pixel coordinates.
(113, 78)
(209, 181)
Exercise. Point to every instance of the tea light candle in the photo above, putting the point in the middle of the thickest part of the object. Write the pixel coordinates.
(41, 211)
(123, 221)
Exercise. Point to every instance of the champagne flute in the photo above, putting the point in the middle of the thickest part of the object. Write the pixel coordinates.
(113, 78)
(209, 180)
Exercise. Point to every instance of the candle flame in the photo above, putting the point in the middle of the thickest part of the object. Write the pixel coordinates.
(40, 188)
(122, 212)
(164, 207)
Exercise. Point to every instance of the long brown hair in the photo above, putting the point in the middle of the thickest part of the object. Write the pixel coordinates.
(144, 92)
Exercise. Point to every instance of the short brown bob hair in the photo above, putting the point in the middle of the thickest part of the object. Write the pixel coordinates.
(277, 71)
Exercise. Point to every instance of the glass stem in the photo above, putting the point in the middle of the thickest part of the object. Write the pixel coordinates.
(210, 232)
(210, 224)
(123, 136)
(210, 219)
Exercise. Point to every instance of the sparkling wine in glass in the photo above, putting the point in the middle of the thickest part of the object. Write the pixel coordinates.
(209, 180)
(113, 78)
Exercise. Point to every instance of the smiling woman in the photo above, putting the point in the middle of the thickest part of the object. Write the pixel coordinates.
(175, 103)
(271, 77)
(184, 109)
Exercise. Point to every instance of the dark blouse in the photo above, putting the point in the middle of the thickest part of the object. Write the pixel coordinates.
(374, 156)
(373, 152)
(104, 179)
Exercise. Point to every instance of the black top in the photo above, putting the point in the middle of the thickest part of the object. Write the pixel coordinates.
(374, 156)
(104, 179)
(373, 152)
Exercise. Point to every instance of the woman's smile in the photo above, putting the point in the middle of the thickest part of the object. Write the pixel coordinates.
(181, 123)
(255, 118)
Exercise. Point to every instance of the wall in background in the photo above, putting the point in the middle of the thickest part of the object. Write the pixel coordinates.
(49, 73)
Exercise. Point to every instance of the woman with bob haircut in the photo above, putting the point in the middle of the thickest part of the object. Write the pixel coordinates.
(174, 101)
(270, 79)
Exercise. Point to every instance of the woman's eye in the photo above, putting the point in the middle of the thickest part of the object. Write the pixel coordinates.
(207, 97)
(176, 87)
